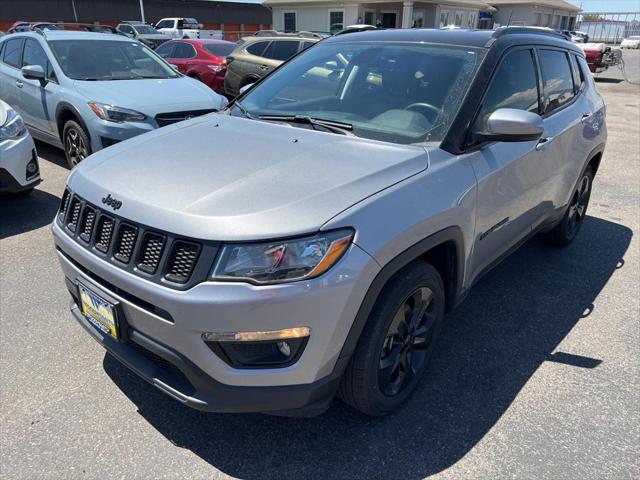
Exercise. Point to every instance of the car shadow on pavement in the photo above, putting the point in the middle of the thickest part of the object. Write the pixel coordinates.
(512, 322)
(23, 214)
(51, 154)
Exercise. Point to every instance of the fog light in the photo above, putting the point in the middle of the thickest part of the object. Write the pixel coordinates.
(284, 348)
(32, 167)
(262, 349)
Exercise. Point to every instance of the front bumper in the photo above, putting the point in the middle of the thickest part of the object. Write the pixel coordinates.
(197, 376)
(105, 133)
(15, 154)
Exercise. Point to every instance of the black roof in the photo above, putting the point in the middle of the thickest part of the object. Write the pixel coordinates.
(461, 36)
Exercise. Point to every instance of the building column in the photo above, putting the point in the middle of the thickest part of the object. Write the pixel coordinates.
(407, 14)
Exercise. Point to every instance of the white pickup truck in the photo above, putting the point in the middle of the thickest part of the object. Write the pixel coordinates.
(185, 28)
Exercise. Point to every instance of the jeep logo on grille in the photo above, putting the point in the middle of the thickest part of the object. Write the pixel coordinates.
(112, 202)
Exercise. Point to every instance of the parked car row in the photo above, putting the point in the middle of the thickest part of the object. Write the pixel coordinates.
(83, 91)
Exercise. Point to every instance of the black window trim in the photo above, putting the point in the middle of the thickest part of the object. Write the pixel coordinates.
(21, 39)
(470, 146)
(576, 95)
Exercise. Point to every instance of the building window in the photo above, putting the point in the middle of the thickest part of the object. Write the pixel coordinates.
(289, 21)
(458, 20)
(472, 22)
(444, 18)
(370, 17)
(336, 20)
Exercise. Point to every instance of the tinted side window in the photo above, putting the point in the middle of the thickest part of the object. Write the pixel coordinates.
(257, 48)
(165, 24)
(13, 52)
(306, 45)
(556, 78)
(184, 50)
(585, 73)
(514, 85)
(282, 49)
(125, 29)
(578, 79)
(165, 50)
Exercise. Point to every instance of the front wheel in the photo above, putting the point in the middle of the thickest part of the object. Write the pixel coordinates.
(77, 146)
(571, 223)
(394, 349)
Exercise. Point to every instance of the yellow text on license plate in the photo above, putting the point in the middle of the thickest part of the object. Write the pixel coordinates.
(98, 312)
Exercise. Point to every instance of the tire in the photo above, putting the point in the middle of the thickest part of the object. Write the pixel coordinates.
(77, 145)
(563, 234)
(377, 381)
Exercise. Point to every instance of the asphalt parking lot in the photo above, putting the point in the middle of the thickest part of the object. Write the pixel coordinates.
(537, 374)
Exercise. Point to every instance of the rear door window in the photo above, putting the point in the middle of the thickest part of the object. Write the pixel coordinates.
(556, 79)
(13, 52)
(514, 85)
(184, 50)
(282, 49)
(257, 48)
(166, 50)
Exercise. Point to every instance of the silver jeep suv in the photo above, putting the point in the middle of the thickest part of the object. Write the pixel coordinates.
(309, 239)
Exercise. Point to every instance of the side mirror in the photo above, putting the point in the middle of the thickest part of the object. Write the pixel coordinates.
(245, 88)
(33, 72)
(512, 125)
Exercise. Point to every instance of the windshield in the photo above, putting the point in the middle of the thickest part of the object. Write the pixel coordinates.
(145, 30)
(397, 92)
(220, 49)
(109, 60)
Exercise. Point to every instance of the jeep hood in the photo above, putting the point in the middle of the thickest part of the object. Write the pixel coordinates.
(152, 96)
(220, 177)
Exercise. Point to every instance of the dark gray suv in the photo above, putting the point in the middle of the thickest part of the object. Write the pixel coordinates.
(309, 239)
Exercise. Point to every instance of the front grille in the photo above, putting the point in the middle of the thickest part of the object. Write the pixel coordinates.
(151, 252)
(88, 220)
(183, 257)
(125, 241)
(105, 230)
(74, 214)
(161, 257)
(165, 119)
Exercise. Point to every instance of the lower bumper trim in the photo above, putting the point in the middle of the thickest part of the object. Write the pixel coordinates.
(179, 378)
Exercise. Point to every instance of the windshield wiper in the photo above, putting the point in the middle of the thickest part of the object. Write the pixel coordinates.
(241, 107)
(331, 125)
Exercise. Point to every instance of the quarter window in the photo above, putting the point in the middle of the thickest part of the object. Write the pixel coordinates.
(289, 21)
(556, 78)
(13, 52)
(282, 49)
(514, 85)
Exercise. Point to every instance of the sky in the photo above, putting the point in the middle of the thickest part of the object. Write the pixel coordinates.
(608, 5)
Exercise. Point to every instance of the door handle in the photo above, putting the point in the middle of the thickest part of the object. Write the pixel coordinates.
(19, 84)
(543, 143)
(263, 68)
(585, 117)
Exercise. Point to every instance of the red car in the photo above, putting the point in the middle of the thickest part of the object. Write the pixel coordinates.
(204, 60)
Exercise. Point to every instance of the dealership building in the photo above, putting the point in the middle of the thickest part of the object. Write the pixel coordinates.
(234, 18)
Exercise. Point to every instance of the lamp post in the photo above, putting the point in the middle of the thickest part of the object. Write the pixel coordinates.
(141, 11)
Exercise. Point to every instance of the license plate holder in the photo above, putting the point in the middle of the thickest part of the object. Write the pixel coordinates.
(102, 312)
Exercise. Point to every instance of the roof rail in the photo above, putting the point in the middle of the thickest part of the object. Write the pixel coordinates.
(277, 33)
(509, 30)
(86, 27)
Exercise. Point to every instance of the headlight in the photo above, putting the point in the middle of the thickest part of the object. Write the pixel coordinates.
(13, 127)
(282, 261)
(115, 114)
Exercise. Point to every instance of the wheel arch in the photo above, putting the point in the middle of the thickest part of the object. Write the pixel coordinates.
(444, 250)
(65, 112)
(594, 158)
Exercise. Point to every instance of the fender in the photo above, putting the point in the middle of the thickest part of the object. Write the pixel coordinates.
(394, 266)
(62, 106)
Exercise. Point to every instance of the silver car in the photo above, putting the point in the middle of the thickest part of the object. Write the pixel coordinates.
(84, 91)
(318, 229)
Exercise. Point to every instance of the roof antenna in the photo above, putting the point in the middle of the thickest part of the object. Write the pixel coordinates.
(510, 15)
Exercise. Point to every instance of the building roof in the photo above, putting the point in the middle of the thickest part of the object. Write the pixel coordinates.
(561, 4)
(482, 5)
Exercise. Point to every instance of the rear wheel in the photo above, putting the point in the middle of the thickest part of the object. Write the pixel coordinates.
(397, 342)
(77, 146)
(568, 228)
